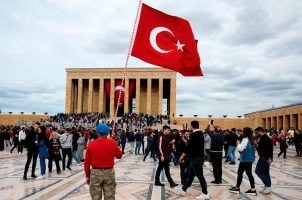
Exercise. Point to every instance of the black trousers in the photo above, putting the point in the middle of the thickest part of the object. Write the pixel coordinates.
(123, 144)
(184, 171)
(247, 167)
(216, 158)
(69, 154)
(31, 155)
(196, 169)
(56, 159)
(166, 166)
(283, 150)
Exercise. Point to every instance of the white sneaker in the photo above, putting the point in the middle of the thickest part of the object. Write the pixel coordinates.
(180, 191)
(40, 177)
(203, 197)
(267, 190)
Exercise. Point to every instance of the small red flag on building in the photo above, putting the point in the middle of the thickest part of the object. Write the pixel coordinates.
(166, 41)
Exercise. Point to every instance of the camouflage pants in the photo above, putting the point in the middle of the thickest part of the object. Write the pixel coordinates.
(102, 181)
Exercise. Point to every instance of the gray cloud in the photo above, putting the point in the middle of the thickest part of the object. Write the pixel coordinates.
(250, 51)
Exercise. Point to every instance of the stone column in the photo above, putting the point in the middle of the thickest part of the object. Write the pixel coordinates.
(112, 105)
(172, 97)
(68, 95)
(101, 96)
(149, 100)
(80, 96)
(299, 121)
(90, 99)
(137, 95)
(126, 96)
(160, 96)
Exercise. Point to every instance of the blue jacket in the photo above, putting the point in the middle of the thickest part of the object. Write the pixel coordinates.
(248, 154)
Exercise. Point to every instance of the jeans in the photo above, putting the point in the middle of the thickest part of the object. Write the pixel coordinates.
(76, 157)
(137, 147)
(262, 170)
(196, 169)
(149, 149)
(42, 165)
(231, 153)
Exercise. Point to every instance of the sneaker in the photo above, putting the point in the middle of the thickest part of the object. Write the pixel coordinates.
(33, 176)
(203, 197)
(251, 192)
(159, 184)
(234, 190)
(172, 185)
(40, 177)
(267, 190)
(180, 191)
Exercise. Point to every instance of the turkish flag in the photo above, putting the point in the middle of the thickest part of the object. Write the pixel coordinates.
(166, 41)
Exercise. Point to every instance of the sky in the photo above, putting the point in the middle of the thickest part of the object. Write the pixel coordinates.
(251, 51)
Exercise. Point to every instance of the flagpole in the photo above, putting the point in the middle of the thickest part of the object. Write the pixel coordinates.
(127, 60)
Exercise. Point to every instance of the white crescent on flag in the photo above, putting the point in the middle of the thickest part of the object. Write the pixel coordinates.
(154, 44)
(119, 87)
(153, 36)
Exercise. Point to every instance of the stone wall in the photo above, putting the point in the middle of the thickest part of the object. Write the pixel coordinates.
(11, 119)
(224, 123)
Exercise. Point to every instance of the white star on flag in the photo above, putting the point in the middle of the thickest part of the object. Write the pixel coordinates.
(179, 46)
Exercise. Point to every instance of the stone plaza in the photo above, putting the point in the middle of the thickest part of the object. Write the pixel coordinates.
(135, 180)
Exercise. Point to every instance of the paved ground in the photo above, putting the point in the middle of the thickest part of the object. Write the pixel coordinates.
(135, 181)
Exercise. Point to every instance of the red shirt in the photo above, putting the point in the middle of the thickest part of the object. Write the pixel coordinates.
(100, 153)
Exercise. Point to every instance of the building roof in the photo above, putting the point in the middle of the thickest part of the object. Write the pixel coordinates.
(276, 108)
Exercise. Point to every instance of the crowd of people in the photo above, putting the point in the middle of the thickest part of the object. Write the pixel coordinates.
(65, 137)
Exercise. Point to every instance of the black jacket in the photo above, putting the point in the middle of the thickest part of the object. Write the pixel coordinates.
(195, 147)
(31, 141)
(265, 147)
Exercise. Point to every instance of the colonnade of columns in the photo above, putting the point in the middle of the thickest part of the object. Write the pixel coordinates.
(283, 121)
(89, 95)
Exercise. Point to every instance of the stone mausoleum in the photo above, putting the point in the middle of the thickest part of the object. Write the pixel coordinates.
(145, 90)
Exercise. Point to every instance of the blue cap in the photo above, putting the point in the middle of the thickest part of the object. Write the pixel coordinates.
(102, 129)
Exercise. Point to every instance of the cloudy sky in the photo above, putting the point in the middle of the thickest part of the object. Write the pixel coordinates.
(251, 51)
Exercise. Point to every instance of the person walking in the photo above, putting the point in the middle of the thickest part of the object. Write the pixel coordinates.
(22, 137)
(43, 150)
(247, 157)
(66, 143)
(81, 146)
(75, 137)
(138, 142)
(232, 146)
(99, 163)
(181, 146)
(216, 151)
(195, 154)
(265, 152)
(164, 151)
(283, 146)
(123, 139)
(31, 142)
(150, 147)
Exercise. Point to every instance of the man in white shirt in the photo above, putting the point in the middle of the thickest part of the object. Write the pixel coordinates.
(22, 137)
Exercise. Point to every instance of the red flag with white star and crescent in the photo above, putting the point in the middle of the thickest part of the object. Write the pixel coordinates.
(166, 41)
